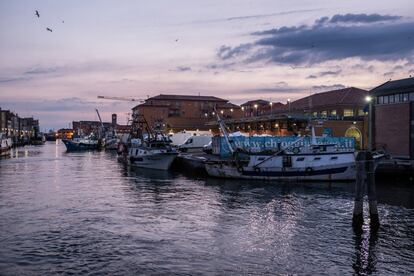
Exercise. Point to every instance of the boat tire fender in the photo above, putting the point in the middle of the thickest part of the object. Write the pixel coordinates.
(296, 150)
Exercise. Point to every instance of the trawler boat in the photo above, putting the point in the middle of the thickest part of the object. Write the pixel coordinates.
(5, 145)
(151, 154)
(311, 162)
(80, 144)
(298, 161)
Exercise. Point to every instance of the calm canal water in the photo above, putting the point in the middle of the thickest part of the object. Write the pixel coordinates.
(85, 213)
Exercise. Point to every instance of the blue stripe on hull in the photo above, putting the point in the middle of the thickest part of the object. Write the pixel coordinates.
(294, 173)
(71, 146)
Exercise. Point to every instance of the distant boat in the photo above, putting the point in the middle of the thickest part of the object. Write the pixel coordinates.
(5, 145)
(81, 144)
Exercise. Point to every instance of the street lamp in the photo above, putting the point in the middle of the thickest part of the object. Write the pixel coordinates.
(368, 99)
(256, 106)
(271, 105)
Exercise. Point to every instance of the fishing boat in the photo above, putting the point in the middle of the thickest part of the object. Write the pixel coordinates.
(151, 154)
(5, 145)
(151, 150)
(81, 144)
(298, 161)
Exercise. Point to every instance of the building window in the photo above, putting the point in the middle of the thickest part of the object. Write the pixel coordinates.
(385, 99)
(348, 112)
(360, 112)
(324, 114)
(411, 96)
(404, 97)
(397, 98)
(333, 112)
(380, 100)
(391, 99)
(315, 114)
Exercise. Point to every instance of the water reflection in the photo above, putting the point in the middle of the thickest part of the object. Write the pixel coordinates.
(365, 251)
(85, 212)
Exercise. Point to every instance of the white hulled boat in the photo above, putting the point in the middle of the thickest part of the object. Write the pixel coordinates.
(5, 145)
(310, 161)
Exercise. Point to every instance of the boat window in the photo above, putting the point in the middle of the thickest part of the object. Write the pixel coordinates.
(317, 158)
(300, 159)
(136, 152)
(260, 159)
(334, 157)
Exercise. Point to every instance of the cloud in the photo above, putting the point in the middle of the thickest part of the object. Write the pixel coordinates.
(12, 79)
(369, 37)
(181, 69)
(328, 87)
(311, 77)
(357, 18)
(330, 73)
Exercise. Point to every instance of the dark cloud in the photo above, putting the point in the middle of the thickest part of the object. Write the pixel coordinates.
(328, 87)
(369, 37)
(357, 18)
(12, 79)
(311, 77)
(182, 69)
(41, 70)
(226, 52)
(330, 73)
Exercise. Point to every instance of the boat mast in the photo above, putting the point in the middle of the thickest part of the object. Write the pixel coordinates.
(224, 131)
(100, 120)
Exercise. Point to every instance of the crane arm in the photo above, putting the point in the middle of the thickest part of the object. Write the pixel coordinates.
(121, 99)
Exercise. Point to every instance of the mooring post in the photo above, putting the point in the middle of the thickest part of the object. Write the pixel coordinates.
(358, 216)
(372, 194)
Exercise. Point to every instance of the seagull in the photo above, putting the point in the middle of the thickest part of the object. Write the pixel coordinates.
(176, 40)
(48, 29)
(37, 14)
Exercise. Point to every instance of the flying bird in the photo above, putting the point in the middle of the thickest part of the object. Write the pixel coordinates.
(48, 29)
(37, 14)
(176, 40)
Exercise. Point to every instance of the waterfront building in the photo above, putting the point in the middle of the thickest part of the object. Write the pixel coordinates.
(185, 112)
(393, 117)
(336, 113)
(19, 129)
(260, 107)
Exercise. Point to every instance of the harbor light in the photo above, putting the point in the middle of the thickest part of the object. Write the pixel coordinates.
(256, 106)
(231, 109)
(276, 125)
(368, 99)
(222, 111)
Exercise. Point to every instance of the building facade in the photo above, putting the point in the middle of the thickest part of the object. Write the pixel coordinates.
(185, 112)
(337, 113)
(393, 117)
(18, 128)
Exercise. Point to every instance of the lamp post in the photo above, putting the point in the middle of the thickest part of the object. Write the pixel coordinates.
(256, 106)
(368, 99)
(271, 105)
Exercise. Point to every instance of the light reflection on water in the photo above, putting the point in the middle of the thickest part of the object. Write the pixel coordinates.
(85, 212)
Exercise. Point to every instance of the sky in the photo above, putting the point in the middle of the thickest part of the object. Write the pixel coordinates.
(239, 50)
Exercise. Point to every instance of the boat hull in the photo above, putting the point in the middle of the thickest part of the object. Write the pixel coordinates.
(344, 172)
(79, 146)
(161, 161)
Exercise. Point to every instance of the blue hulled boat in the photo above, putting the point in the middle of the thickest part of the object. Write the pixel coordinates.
(80, 144)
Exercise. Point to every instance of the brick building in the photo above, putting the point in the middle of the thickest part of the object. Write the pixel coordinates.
(180, 112)
(393, 117)
(260, 107)
(16, 127)
(337, 113)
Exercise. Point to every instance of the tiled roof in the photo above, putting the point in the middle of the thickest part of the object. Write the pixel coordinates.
(186, 98)
(346, 96)
(403, 85)
(260, 101)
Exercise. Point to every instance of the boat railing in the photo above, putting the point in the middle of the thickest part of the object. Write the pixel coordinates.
(280, 151)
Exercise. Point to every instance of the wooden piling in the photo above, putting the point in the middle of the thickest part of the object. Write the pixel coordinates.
(358, 216)
(372, 194)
